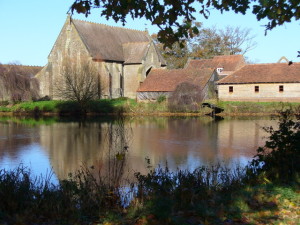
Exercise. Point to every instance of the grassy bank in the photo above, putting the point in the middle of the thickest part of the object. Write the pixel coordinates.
(130, 106)
(254, 107)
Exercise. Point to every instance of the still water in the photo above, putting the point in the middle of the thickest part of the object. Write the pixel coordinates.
(61, 146)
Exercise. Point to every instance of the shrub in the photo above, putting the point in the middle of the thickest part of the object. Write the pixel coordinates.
(186, 98)
(279, 159)
(161, 98)
(4, 103)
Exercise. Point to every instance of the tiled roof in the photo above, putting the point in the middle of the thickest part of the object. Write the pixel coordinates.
(264, 73)
(106, 42)
(167, 80)
(134, 52)
(227, 62)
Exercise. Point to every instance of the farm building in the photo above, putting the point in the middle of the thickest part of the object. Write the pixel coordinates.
(164, 82)
(200, 72)
(262, 82)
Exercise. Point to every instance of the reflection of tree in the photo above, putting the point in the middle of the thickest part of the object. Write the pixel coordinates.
(118, 137)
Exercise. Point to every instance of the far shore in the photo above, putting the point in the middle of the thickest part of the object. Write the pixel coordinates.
(129, 107)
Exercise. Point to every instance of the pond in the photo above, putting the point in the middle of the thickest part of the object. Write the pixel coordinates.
(62, 146)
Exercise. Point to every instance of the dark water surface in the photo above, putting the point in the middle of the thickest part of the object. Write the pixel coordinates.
(186, 143)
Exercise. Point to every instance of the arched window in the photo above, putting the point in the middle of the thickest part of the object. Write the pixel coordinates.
(121, 85)
(110, 85)
(148, 71)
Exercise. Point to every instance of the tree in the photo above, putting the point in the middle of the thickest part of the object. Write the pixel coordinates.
(231, 40)
(78, 82)
(208, 43)
(166, 14)
(279, 159)
(176, 56)
(17, 83)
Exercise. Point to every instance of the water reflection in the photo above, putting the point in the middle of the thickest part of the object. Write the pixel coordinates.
(184, 143)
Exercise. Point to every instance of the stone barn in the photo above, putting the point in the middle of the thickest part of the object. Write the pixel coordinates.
(262, 82)
(123, 57)
(165, 82)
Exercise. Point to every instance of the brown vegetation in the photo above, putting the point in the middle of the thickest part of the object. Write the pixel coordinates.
(17, 83)
(78, 82)
(187, 97)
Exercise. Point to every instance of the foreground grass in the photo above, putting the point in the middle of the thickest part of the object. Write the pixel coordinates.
(130, 106)
(161, 197)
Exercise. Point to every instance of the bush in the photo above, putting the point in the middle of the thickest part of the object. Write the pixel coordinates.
(4, 103)
(186, 98)
(161, 98)
(279, 159)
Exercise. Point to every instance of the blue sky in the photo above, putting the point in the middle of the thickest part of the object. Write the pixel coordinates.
(30, 28)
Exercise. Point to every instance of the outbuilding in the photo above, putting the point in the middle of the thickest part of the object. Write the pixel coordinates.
(262, 83)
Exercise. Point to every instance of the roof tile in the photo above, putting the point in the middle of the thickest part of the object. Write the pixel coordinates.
(264, 73)
(105, 42)
(227, 62)
(167, 80)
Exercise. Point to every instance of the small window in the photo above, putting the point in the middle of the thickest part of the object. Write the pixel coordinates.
(256, 88)
(280, 88)
(230, 89)
(219, 70)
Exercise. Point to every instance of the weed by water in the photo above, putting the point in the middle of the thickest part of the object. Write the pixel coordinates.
(30, 200)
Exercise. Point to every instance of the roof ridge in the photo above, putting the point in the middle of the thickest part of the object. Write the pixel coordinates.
(125, 28)
(135, 42)
(227, 55)
(262, 64)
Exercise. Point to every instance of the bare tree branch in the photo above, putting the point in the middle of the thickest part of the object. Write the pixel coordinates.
(77, 82)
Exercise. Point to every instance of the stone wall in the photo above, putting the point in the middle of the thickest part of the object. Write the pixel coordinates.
(67, 45)
(267, 92)
(112, 79)
(134, 74)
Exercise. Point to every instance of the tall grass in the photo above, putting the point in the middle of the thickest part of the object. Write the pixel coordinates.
(29, 200)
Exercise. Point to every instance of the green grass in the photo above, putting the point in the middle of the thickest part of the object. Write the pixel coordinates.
(255, 107)
(44, 106)
(125, 105)
(29, 120)
(4, 109)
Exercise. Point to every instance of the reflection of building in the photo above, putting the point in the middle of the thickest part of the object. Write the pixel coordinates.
(183, 143)
(241, 137)
(71, 145)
